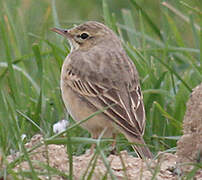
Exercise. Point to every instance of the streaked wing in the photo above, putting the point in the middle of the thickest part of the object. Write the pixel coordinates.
(100, 96)
(137, 106)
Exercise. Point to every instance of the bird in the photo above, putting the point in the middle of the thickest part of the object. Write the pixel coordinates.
(98, 73)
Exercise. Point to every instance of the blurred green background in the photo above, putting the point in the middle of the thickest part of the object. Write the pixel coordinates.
(163, 38)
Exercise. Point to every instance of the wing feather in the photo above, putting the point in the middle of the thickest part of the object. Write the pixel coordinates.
(118, 113)
(137, 107)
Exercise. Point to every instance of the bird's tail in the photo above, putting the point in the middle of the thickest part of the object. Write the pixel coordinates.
(140, 148)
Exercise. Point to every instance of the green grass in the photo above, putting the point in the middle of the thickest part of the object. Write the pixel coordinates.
(163, 41)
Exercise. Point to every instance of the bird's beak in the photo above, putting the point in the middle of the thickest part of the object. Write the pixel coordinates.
(63, 32)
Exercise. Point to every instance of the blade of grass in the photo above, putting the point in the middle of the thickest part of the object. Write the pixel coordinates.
(39, 62)
(194, 9)
(70, 156)
(175, 138)
(29, 78)
(76, 140)
(3, 74)
(11, 78)
(95, 158)
(157, 91)
(142, 30)
(11, 30)
(20, 143)
(30, 120)
(196, 37)
(148, 38)
(147, 18)
(106, 14)
(180, 42)
(55, 15)
(175, 123)
(33, 173)
(55, 51)
(156, 87)
(175, 31)
(124, 166)
(178, 13)
(175, 73)
(114, 24)
(38, 110)
(173, 83)
(128, 21)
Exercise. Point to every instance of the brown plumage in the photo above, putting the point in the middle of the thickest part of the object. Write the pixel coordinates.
(98, 73)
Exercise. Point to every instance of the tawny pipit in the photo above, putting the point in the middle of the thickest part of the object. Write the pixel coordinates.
(98, 73)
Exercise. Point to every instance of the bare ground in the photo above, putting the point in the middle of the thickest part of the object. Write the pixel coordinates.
(124, 166)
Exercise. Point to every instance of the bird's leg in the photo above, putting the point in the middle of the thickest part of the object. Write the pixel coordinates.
(93, 145)
(92, 148)
(113, 146)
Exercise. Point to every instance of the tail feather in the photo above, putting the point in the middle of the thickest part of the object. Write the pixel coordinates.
(142, 151)
(140, 148)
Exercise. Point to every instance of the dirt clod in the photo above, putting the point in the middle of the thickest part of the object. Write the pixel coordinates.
(189, 147)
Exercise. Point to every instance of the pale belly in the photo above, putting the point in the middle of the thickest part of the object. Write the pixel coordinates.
(79, 109)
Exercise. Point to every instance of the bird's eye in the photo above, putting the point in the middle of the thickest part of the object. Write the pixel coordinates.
(84, 36)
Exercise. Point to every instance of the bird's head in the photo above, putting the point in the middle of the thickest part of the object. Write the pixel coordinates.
(86, 35)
